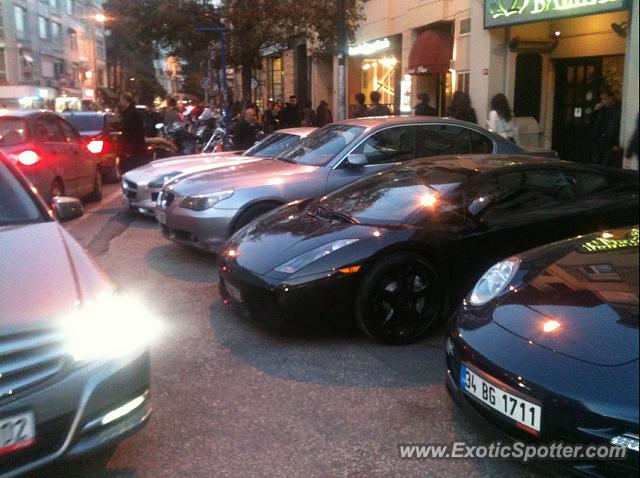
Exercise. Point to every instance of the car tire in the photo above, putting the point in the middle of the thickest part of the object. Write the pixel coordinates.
(252, 213)
(114, 175)
(56, 189)
(96, 194)
(399, 299)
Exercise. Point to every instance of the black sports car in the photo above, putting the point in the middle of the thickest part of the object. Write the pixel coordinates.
(398, 248)
(545, 347)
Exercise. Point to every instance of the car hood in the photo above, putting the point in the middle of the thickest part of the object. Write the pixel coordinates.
(243, 174)
(186, 164)
(40, 263)
(579, 298)
(289, 232)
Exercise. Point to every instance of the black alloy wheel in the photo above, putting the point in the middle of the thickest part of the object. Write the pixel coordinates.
(399, 299)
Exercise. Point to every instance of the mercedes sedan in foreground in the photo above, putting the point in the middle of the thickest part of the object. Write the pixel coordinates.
(204, 209)
(74, 367)
(398, 248)
(545, 348)
(141, 186)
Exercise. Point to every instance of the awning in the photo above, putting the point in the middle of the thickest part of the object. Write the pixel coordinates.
(431, 52)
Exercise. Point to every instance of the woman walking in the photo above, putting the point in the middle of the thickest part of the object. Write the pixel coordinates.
(500, 118)
(461, 109)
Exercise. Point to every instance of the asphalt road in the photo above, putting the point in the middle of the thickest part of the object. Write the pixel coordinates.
(233, 400)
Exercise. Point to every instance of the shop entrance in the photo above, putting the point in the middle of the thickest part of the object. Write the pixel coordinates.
(578, 83)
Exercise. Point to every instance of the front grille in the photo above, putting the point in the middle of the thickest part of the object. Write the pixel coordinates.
(131, 194)
(28, 359)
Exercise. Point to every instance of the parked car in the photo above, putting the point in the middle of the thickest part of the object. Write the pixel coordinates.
(51, 153)
(141, 186)
(101, 132)
(203, 210)
(398, 249)
(74, 369)
(545, 347)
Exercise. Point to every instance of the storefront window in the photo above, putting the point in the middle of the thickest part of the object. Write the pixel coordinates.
(379, 74)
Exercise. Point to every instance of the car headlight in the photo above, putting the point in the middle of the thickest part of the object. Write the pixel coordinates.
(205, 201)
(160, 181)
(108, 327)
(494, 281)
(307, 258)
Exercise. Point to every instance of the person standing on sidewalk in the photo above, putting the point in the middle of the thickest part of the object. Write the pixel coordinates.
(424, 108)
(501, 120)
(631, 156)
(461, 109)
(132, 137)
(323, 114)
(360, 110)
(377, 109)
(291, 116)
(606, 129)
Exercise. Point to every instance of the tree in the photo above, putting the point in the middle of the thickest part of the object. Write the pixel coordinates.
(253, 24)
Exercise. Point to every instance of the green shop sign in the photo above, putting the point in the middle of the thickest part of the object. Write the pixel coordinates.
(501, 13)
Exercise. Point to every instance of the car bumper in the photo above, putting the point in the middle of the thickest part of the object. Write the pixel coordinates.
(318, 299)
(206, 230)
(561, 423)
(139, 197)
(87, 409)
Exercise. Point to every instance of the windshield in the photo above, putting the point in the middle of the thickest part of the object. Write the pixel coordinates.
(395, 197)
(322, 145)
(16, 204)
(273, 145)
(12, 131)
(86, 122)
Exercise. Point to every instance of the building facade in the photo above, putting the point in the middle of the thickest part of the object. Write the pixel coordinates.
(52, 53)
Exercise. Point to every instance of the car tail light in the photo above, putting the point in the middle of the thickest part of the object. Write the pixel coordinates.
(28, 157)
(95, 146)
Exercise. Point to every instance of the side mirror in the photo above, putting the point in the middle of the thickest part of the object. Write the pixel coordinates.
(357, 160)
(67, 208)
(478, 205)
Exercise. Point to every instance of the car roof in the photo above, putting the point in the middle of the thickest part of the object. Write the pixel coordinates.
(17, 113)
(375, 121)
(475, 164)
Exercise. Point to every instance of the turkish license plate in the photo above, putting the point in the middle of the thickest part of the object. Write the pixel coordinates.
(161, 217)
(508, 404)
(17, 432)
(234, 292)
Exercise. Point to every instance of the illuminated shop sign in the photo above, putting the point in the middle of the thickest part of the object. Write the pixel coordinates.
(607, 243)
(500, 13)
(369, 48)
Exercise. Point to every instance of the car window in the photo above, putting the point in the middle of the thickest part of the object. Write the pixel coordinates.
(514, 194)
(321, 146)
(16, 204)
(388, 146)
(13, 131)
(273, 144)
(47, 130)
(480, 144)
(439, 139)
(86, 122)
(70, 134)
(586, 185)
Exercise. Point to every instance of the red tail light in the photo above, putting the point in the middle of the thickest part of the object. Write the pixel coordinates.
(28, 157)
(95, 146)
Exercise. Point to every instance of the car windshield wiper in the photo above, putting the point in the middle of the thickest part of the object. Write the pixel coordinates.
(331, 214)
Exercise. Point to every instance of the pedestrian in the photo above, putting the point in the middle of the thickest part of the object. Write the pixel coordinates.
(376, 108)
(173, 114)
(290, 116)
(132, 136)
(270, 124)
(606, 129)
(308, 115)
(461, 109)
(245, 130)
(631, 156)
(360, 110)
(323, 114)
(424, 108)
(501, 120)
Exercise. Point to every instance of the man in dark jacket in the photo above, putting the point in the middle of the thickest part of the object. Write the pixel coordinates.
(424, 108)
(291, 115)
(245, 131)
(132, 137)
(376, 108)
(606, 129)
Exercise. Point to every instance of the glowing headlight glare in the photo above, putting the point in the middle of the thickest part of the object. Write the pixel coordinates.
(110, 326)
(307, 258)
(493, 282)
